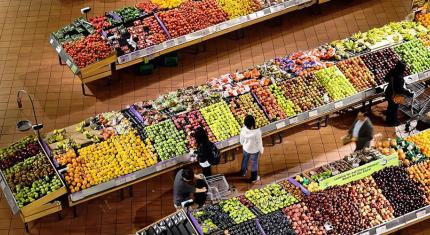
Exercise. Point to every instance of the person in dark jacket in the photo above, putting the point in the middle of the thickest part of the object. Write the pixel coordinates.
(361, 131)
(187, 184)
(396, 86)
(204, 151)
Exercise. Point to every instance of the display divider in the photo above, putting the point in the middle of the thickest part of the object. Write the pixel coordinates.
(161, 23)
(195, 223)
(297, 184)
(257, 222)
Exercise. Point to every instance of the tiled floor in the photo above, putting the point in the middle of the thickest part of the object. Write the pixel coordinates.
(27, 61)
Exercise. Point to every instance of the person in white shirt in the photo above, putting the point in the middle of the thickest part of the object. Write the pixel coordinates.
(252, 145)
(361, 131)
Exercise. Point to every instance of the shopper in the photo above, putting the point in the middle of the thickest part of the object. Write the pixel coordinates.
(252, 145)
(395, 92)
(184, 188)
(207, 153)
(361, 131)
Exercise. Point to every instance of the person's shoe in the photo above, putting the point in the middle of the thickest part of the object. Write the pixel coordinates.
(242, 174)
(256, 180)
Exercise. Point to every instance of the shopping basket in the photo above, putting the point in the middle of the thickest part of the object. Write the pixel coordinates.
(218, 187)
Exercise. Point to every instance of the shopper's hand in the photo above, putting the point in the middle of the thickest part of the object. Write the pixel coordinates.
(353, 139)
(201, 190)
(199, 176)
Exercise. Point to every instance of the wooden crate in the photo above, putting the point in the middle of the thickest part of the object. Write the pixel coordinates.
(42, 211)
(32, 207)
(97, 70)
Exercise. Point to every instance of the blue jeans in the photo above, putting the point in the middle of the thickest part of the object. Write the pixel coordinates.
(254, 164)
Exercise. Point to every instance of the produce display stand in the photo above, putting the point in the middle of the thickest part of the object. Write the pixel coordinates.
(106, 67)
(179, 222)
(39, 208)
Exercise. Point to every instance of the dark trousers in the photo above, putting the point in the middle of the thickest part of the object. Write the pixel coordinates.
(207, 171)
(359, 145)
(200, 198)
(392, 111)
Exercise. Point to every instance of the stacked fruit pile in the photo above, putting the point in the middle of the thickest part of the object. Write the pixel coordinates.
(167, 140)
(422, 140)
(286, 105)
(334, 206)
(239, 7)
(236, 210)
(374, 207)
(303, 63)
(357, 73)
(246, 105)
(270, 198)
(404, 194)
(221, 121)
(407, 152)
(189, 122)
(107, 160)
(305, 92)
(421, 173)
(336, 83)
(381, 62)
(276, 223)
(150, 115)
(212, 218)
(88, 50)
(269, 103)
(424, 19)
(27, 171)
(415, 55)
(303, 220)
(293, 190)
(202, 14)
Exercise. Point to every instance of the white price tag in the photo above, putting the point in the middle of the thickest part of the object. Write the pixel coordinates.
(421, 213)
(412, 78)
(260, 14)
(267, 11)
(382, 229)
(426, 75)
(58, 49)
(252, 16)
(130, 178)
(159, 167)
(365, 233)
(280, 125)
(170, 164)
(313, 113)
(120, 181)
(338, 105)
(68, 62)
(170, 43)
(51, 41)
(150, 50)
(294, 120)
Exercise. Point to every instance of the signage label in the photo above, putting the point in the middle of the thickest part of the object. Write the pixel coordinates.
(51, 41)
(338, 105)
(294, 120)
(421, 213)
(130, 178)
(360, 172)
(280, 125)
(120, 181)
(313, 113)
(381, 229)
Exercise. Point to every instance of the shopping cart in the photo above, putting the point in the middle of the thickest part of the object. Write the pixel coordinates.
(417, 108)
(218, 188)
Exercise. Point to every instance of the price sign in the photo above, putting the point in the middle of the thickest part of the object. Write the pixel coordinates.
(68, 62)
(150, 50)
(294, 120)
(58, 49)
(421, 213)
(130, 178)
(412, 78)
(313, 113)
(338, 105)
(51, 41)
(426, 74)
(159, 167)
(365, 233)
(280, 125)
(260, 14)
(170, 164)
(267, 11)
(381, 229)
(120, 181)
(252, 16)
(74, 68)
(170, 43)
